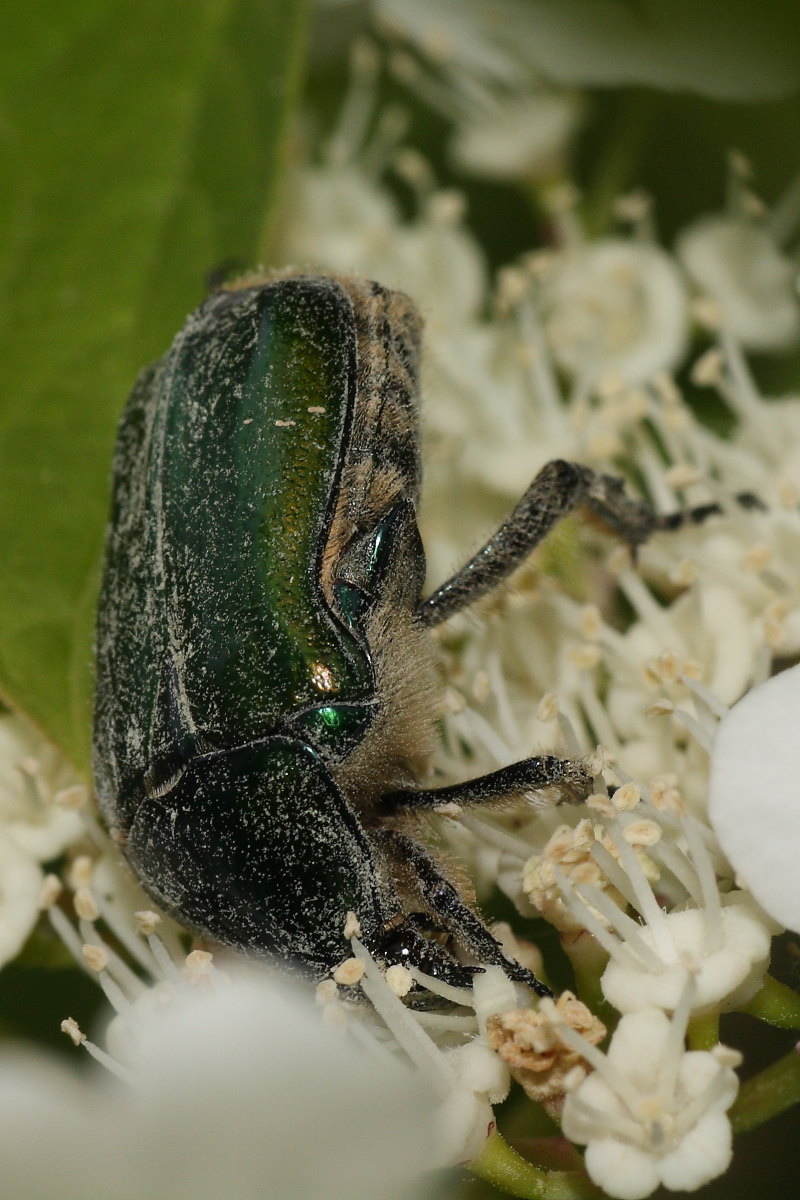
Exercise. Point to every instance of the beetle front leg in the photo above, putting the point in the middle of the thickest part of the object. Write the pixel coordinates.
(570, 776)
(558, 489)
(445, 902)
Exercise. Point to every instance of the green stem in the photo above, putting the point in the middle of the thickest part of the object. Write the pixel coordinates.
(770, 1092)
(621, 159)
(776, 1004)
(508, 1171)
(703, 1032)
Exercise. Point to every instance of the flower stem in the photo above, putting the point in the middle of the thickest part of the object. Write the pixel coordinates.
(703, 1032)
(509, 1172)
(776, 1004)
(616, 167)
(770, 1092)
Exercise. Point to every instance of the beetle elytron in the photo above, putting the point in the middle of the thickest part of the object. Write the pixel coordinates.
(266, 698)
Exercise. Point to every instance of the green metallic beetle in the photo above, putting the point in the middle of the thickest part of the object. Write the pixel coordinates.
(266, 692)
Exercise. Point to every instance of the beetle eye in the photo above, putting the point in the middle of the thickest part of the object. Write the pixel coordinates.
(334, 729)
(353, 601)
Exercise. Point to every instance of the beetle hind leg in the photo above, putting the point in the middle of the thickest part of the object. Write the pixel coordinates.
(447, 905)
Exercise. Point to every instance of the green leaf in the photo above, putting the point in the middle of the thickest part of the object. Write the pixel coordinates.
(142, 145)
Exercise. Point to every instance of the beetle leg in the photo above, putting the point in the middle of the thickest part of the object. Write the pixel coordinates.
(529, 775)
(444, 900)
(557, 490)
(404, 944)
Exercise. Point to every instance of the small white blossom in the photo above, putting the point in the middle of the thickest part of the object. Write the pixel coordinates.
(33, 778)
(615, 307)
(754, 794)
(238, 1091)
(20, 889)
(519, 135)
(652, 1113)
(34, 824)
(735, 261)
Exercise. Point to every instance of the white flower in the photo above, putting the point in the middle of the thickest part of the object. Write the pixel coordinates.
(754, 794)
(719, 943)
(456, 1072)
(38, 791)
(238, 1090)
(737, 263)
(518, 135)
(20, 886)
(38, 797)
(652, 1113)
(615, 307)
(727, 970)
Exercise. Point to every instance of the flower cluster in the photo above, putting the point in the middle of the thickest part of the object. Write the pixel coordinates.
(39, 801)
(578, 362)
(664, 889)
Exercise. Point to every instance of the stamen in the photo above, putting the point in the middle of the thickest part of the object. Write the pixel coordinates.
(700, 734)
(358, 105)
(126, 977)
(709, 699)
(579, 908)
(445, 1022)
(615, 1079)
(743, 395)
(673, 1049)
(493, 835)
(111, 1064)
(68, 934)
(646, 902)
(457, 995)
(615, 1123)
(408, 1034)
(676, 862)
(627, 929)
(169, 969)
(708, 883)
(115, 918)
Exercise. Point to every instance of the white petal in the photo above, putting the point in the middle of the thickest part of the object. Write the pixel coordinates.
(20, 885)
(754, 794)
(718, 975)
(519, 137)
(697, 1069)
(637, 1047)
(703, 1154)
(479, 1069)
(463, 1123)
(621, 1170)
(739, 264)
(581, 1127)
(616, 306)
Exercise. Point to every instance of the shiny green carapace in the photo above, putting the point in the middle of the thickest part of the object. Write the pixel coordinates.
(234, 672)
(266, 696)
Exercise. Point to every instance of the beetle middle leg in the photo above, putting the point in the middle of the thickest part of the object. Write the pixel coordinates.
(570, 776)
(558, 489)
(444, 901)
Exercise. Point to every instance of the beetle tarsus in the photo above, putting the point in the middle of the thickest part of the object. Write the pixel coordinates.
(406, 946)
